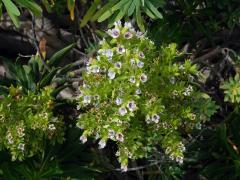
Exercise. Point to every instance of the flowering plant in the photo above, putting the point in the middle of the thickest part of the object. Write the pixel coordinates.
(27, 121)
(138, 96)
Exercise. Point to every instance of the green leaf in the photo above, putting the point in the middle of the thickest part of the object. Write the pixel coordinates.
(154, 10)
(132, 7)
(13, 11)
(58, 56)
(110, 12)
(48, 78)
(90, 13)
(139, 17)
(11, 7)
(102, 10)
(32, 6)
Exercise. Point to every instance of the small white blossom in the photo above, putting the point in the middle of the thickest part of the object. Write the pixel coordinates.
(102, 144)
(148, 119)
(83, 139)
(132, 106)
(121, 49)
(138, 91)
(172, 80)
(128, 35)
(124, 168)
(117, 153)
(111, 74)
(128, 25)
(143, 78)
(111, 134)
(139, 34)
(95, 69)
(118, 23)
(132, 61)
(132, 79)
(155, 118)
(98, 58)
(122, 111)
(120, 137)
(51, 127)
(87, 99)
(141, 55)
(140, 64)
(108, 53)
(21, 146)
(181, 67)
(118, 101)
(20, 132)
(118, 65)
(115, 33)
(97, 136)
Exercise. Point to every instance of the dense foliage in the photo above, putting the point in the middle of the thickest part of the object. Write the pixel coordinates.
(161, 102)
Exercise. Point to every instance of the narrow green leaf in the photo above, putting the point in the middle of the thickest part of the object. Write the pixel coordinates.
(48, 78)
(31, 5)
(90, 13)
(110, 12)
(154, 10)
(58, 56)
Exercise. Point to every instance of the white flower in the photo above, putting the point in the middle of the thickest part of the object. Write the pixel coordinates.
(122, 111)
(140, 64)
(189, 88)
(102, 42)
(172, 80)
(118, 23)
(118, 65)
(132, 79)
(21, 146)
(121, 49)
(141, 55)
(118, 101)
(102, 144)
(128, 25)
(148, 119)
(111, 74)
(95, 69)
(132, 61)
(120, 137)
(108, 53)
(98, 58)
(138, 91)
(117, 153)
(181, 67)
(97, 136)
(128, 35)
(143, 77)
(139, 34)
(83, 139)
(115, 33)
(51, 127)
(155, 118)
(131, 106)
(87, 99)
(20, 132)
(124, 168)
(111, 134)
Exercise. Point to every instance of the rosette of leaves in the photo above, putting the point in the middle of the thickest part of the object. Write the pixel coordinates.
(232, 89)
(27, 121)
(139, 96)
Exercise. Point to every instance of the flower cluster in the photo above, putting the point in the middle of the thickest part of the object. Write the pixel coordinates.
(27, 121)
(138, 96)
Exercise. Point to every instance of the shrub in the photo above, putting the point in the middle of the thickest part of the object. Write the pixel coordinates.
(27, 121)
(139, 96)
